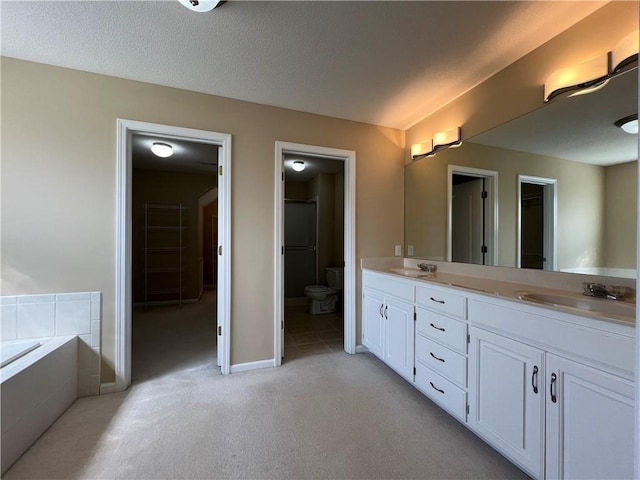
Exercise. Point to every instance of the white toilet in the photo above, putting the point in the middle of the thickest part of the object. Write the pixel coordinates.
(323, 299)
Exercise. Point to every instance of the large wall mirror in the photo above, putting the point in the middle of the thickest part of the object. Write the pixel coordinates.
(561, 187)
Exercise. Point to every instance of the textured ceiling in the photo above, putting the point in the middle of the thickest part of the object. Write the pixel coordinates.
(385, 63)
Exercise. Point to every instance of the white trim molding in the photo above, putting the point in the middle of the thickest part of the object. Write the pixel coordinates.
(124, 173)
(245, 367)
(550, 209)
(492, 189)
(349, 292)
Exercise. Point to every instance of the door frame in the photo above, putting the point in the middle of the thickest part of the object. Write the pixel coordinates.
(491, 186)
(550, 213)
(349, 292)
(124, 176)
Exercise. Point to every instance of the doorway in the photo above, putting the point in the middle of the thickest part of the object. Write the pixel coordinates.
(126, 130)
(472, 216)
(537, 223)
(288, 153)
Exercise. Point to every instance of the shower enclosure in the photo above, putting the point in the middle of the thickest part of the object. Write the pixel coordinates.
(300, 247)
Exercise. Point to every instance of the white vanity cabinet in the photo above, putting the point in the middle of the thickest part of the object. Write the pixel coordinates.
(506, 397)
(388, 316)
(441, 347)
(548, 392)
(589, 422)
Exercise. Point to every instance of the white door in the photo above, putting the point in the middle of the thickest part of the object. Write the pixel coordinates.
(467, 222)
(373, 322)
(506, 399)
(589, 422)
(398, 345)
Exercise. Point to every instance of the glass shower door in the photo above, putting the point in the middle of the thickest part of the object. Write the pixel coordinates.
(300, 247)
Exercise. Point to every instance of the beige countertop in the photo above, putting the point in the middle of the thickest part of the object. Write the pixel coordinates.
(619, 311)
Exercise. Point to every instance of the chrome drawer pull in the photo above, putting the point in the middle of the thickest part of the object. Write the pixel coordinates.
(439, 359)
(437, 328)
(437, 301)
(436, 388)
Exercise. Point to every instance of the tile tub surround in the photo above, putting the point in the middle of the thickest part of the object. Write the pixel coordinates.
(56, 315)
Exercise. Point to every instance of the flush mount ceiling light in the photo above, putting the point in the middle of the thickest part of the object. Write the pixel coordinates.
(629, 124)
(583, 78)
(201, 5)
(298, 165)
(162, 150)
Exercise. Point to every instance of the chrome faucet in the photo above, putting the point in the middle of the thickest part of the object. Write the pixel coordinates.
(614, 292)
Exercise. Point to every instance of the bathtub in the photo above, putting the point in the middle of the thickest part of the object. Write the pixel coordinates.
(39, 381)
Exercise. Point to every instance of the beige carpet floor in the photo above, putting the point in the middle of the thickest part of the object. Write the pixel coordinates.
(329, 416)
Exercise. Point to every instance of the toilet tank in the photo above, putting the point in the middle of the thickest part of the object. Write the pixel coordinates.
(335, 276)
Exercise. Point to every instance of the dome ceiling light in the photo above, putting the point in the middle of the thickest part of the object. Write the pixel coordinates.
(202, 5)
(298, 165)
(162, 150)
(629, 124)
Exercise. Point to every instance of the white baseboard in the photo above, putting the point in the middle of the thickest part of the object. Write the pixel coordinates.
(361, 349)
(245, 367)
(107, 388)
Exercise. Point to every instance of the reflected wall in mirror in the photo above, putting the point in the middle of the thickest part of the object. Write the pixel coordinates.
(572, 143)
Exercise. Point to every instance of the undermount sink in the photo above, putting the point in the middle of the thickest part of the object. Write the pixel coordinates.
(590, 304)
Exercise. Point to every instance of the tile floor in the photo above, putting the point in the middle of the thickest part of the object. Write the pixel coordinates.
(306, 334)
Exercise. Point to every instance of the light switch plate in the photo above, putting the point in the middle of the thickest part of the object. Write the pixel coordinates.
(410, 250)
(398, 252)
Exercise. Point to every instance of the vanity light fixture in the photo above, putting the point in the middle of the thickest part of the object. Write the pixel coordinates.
(201, 5)
(583, 78)
(629, 124)
(420, 150)
(298, 165)
(447, 139)
(441, 140)
(625, 55)
(162, 150)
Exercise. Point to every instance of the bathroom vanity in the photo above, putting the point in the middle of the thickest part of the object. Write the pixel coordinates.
(550, 386)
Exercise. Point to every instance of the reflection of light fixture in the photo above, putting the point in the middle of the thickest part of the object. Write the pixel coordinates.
(440, 141)
(574, 80)
(162, 149)
(201, 5)
(629, 124)
(625, 54)
(298, 165)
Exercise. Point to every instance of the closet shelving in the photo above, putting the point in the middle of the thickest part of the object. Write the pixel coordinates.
(165, 227)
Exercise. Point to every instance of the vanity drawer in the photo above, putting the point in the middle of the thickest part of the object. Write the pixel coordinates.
(444, 330)
(442, 301)
(386, 283)
(442, 391)
(446, 362)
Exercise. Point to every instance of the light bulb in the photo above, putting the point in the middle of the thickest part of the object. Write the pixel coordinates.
(162, 149)
(298, 165)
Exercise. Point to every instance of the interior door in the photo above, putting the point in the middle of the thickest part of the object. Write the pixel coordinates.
(467, 222)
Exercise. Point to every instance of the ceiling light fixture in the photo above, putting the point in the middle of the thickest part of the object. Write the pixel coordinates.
(298, 165)
(201, 5)
(448, 139)
(625, 55)
(162, 150)
(629, 124)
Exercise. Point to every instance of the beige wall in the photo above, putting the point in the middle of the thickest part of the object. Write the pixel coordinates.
(59, 144)
(620, 220)
(158, 187)
(426, 202)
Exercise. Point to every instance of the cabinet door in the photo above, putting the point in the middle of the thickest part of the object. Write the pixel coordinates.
(506, 399)
(589, 427)
(373, 322)
(399, 330)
